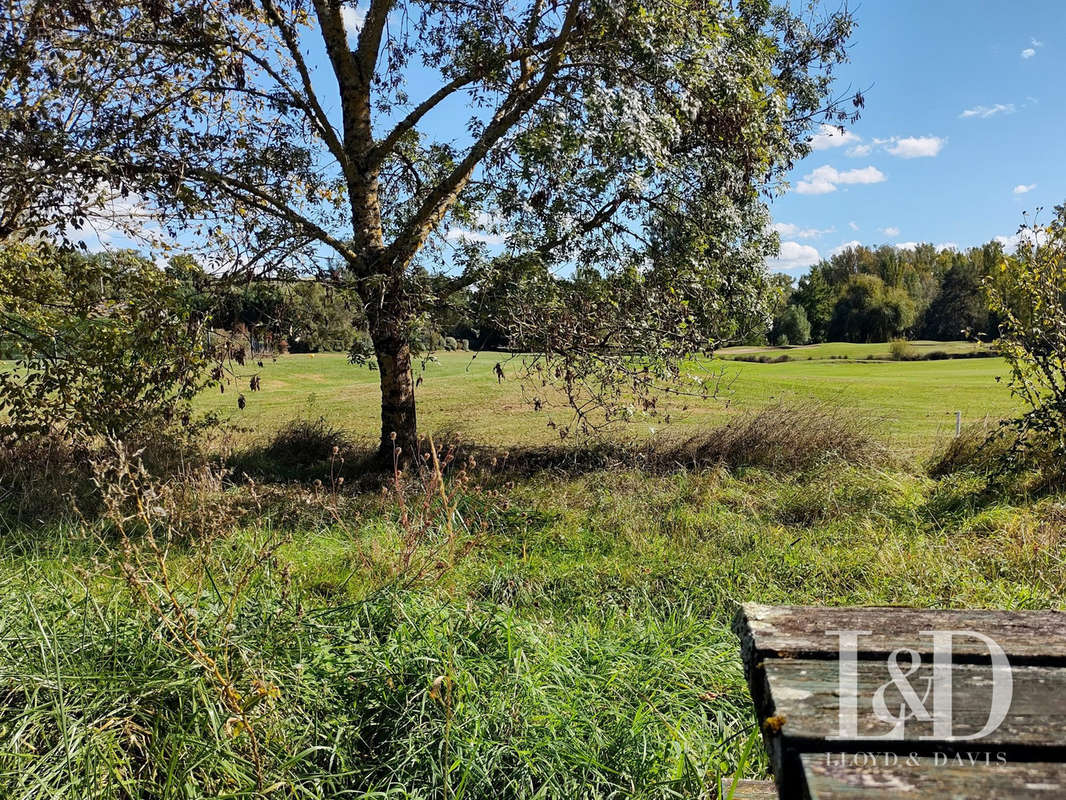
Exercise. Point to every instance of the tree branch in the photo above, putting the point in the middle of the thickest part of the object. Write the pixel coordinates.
(264, 201)
(311, 103)
(382, 149)
(518, 101)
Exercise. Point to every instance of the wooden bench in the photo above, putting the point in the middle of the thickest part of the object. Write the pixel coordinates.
(818, 710)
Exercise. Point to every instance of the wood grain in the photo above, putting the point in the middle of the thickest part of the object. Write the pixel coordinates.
(1027, 637)
(829, 778)
(801, 713)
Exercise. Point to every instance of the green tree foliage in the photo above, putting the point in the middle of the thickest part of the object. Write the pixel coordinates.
(1028, 293)
(306, 315)
(960, 308)
(816, 296)
(108, 344)
(869, 311)
(791, 326)
(868, 294)
(636, 140)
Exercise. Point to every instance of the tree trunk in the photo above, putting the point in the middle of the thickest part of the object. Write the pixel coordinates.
(398, 423)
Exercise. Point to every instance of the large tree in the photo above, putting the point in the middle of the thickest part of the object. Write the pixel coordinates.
(631, 144)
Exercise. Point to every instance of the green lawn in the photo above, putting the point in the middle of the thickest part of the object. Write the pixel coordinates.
(878, 350)
(912, 402)
(566, 635)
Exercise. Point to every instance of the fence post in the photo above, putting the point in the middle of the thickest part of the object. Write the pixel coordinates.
(958, 423)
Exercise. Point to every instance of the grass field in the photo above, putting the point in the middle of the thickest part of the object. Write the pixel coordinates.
(912, 403)
(566, 634)
(877, 350)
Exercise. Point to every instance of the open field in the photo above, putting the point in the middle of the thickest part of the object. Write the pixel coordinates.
(877, 350)
(911, 403)
(566, 634)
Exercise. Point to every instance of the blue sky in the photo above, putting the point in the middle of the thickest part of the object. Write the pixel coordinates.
(964, 130)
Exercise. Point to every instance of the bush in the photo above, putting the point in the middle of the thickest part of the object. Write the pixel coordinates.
(450, 343)
(979, 449)
(792, 327)
(1001, 454)
(902, 350)
(304, 442)
(113, 346)
(1028, 294)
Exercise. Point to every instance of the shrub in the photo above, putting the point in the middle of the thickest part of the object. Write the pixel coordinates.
(979, 449)
(304, 442)
(40, 476)
(112, 345)
(1028, 294)
(902, 350)
(450, 343)
(792, 327)
(1002, 455)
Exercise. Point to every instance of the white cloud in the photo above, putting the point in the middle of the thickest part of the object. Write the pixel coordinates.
(115, 221)
(906, 245)
(947, 246)
(825, 179)
(853, 225)
(791, 230)
(1022, 188)
(1026, 235)
(901, 146)
(891, 230)
(917, 146)
(845, 246)
(1029, 52)
(353, 19)
(984, 112)
(487, 231)
(794, 256)
(831, 136)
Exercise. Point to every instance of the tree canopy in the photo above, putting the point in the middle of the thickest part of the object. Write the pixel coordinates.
(865, 294)
(630, 145)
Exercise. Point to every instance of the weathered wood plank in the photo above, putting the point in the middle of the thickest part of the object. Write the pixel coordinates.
(1027, 637)
(800, 713)
(748, 790)
(829, 778)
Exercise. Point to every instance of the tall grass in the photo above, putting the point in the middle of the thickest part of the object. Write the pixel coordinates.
(528, 630)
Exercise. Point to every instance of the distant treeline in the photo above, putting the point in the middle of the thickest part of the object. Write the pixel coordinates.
(865, 294)
(859, 295)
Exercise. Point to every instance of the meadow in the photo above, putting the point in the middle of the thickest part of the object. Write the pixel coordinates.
(912, 404)
(547, 627)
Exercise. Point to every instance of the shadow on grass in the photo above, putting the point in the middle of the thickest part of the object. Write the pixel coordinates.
(777, 437)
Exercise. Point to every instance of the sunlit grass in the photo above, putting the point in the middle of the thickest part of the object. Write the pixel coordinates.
(912, 403)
